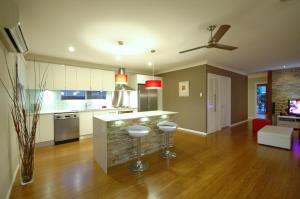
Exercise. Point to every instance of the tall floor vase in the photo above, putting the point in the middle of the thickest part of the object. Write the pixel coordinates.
(27, 164)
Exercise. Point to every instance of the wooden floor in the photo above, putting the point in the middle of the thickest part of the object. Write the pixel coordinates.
(227, 164)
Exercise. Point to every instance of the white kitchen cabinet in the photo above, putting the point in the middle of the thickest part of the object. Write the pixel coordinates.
(32, 75)
(108, 80)
(71, 78)
(86, 123)
(46, 73)
(96, 79)
(83, 79)
(59, 76)
(46, 131)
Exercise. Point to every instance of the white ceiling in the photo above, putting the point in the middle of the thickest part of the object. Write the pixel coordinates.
(267, 32)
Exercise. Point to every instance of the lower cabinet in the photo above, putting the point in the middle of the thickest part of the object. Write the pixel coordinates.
(45, 128)
(86, 123)
(46, 125)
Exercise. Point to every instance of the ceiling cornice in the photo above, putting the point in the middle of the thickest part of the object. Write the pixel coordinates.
(226, 68)
(71, 62)
(181, 67)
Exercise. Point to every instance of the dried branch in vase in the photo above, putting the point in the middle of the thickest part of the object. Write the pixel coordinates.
(25, 112)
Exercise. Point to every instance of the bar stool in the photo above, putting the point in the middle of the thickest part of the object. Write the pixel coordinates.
(138, 131)
(167, 128)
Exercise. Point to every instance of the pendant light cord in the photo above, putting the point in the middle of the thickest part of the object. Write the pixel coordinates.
(152, 52)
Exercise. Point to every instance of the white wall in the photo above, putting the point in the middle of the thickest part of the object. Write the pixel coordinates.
(252, 81)
(8, 143)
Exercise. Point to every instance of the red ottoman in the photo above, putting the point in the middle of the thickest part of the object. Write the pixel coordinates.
(259, 123)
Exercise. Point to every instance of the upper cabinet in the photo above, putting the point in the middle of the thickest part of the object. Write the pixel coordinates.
(59, 76)
(71, 78)
(96, 80)
(83, 78)
(108, 80)
(46, 75)
(32, 75)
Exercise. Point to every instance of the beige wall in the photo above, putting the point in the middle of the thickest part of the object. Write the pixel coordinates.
(239, 93)
(8, 143)
(192, 109)
(252, 82)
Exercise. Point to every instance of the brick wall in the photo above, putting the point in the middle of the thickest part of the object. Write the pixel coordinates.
(286, 85)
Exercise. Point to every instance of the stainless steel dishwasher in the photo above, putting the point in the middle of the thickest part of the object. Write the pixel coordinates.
(66, 127)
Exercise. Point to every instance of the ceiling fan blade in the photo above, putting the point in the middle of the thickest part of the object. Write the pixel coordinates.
(185, 51)
(225, 47)
(220, 33)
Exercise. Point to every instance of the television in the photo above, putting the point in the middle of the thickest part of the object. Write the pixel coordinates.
(294, 107)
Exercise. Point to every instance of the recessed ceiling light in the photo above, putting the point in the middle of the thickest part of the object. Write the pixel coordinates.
(150, 63)
(71, 49)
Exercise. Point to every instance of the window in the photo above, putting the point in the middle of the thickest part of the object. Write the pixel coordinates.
(96, 95)
(69, 95)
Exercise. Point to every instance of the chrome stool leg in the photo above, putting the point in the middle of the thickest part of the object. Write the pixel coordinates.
(166, 153)
(139, 164)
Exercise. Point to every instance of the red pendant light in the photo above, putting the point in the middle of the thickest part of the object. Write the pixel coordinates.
(154, 83)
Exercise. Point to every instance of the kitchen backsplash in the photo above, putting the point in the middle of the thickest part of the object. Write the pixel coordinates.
(52, 102)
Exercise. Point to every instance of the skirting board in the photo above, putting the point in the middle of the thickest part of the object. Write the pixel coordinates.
(43, 144)
(12, 182)
(238, 123)
(192, 131)
(82, 137)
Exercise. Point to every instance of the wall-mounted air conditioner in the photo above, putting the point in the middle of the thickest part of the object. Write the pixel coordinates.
(10, 30)
(14, 39)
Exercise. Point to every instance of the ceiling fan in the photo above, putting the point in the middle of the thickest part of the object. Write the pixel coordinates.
(213, 42)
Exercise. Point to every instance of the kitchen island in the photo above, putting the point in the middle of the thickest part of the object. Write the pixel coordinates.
(113, 145)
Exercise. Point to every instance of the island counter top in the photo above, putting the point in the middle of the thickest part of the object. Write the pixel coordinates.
(135, 115)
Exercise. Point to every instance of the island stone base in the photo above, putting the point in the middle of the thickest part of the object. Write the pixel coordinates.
(113, 145)
(121, 147)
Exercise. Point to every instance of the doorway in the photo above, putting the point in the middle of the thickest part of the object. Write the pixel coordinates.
(218, 102)
(261, 99)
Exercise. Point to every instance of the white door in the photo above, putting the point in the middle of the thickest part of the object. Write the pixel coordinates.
(213, 111)
(218, 102)
(225, 101)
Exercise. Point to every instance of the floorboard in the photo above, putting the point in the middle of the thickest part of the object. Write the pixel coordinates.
(226, 164)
